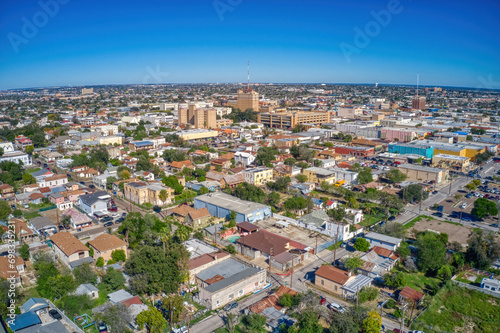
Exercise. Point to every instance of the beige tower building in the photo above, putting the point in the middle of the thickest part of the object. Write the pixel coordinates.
(199, 118)
(246, 100)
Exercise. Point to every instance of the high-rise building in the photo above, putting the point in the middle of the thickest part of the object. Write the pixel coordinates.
(418, 103)
(199, 118)
(87, 91)
(248, 99)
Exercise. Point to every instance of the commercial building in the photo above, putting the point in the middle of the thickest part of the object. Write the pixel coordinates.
(197, 134)
(142, 192)
(418, 103)
(258, 176)
(220, 204)
(451, 162)
(422, 173)
(248, 99)
(355, 151)
(426, 151)
(318, 175)
(227, 281)
(344, 175)
(199, 118)
(292, 119)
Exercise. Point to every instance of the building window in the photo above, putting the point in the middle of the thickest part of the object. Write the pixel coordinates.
(322, 282)
(217, 303)
(335, 288)
(240, 293)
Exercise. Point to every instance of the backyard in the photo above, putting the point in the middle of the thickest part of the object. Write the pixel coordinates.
(456, 309)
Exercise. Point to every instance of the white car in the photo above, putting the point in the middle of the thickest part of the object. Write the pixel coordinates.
(115, 215)
(26, 206)
(336, 307)
(476, 194)
(463, 206)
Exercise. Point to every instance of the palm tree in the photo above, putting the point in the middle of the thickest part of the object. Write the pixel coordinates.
(165, 236)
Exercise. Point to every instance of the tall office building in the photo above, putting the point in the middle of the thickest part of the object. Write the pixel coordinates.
(292, 119)
(418, 103)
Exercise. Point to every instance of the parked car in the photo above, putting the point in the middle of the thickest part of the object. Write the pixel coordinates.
(392, 218)
(108, 224)
(336, 307)
(120, 220)
(454, 215)
(115, 215)
(156, 209)
(112, 208)
(438, 214)
(13, 207)
(468, 196)
(82, 183)
(466, 218)
(106, 219)
(230, 306)
(92, 186)
(54, 314)
(26, 206)
(463, 206)
(435, 192)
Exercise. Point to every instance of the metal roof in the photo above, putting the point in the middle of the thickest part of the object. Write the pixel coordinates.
(25, 320)
(357, 283)
(242, 275)
(230, 202)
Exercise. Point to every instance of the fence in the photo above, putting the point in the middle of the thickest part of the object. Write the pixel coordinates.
(47, 208)
(482, 290)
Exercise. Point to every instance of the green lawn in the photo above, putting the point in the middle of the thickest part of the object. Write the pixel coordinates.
(453, 308)
(420, 282)
(374, 218)
(415, 220)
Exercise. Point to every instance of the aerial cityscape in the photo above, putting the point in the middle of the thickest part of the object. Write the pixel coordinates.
(235, 166)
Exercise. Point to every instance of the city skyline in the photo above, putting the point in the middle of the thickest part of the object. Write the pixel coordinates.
(77, 44)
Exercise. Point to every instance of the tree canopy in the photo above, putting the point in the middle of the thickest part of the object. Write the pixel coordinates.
(484, 207)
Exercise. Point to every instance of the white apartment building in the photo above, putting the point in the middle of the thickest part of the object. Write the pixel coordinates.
(17, 157)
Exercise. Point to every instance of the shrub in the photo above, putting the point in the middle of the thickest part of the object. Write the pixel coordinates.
(390, 304)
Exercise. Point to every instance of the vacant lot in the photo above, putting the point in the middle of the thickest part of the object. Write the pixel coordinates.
(456, 233)
(456, 309)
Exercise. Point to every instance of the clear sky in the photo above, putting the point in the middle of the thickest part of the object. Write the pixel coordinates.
(90, 42)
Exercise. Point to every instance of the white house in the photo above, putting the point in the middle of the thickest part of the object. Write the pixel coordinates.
(53, 181)
(243, 158)
(17, 157)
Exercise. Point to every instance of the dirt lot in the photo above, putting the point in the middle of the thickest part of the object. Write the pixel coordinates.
(297, 234)
(455, 232)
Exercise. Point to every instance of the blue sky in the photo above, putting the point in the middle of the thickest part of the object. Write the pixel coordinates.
(449, 43)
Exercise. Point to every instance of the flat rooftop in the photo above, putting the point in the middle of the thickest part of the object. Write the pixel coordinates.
(452, 157)
(197, 248)
(229, 202)
(320, 171)
(226, 268)
(420, 168)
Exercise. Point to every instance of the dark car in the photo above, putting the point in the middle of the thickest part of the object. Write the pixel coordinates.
(454, 215)
(438, 214)
(83, 183)
(124, 214)
(92, 186)
(44, 165)
(61, 227)
(156, 209)
(13, 207)
(106, 219)
(230, 306)
(102, 328)
(392, 218)
(466, 218)
(108, 224)
(54, 314)
(120, 220)
(435, 192)
(112, 208)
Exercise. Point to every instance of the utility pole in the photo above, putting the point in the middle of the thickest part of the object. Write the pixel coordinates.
(316, 248)
(270, 257)
(357, 291)
(291, 278)
(336, 241)
(403, 318)
(450, 186)
(188, 322)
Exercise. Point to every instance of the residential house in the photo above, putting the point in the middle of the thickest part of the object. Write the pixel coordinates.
(220, 162)
(231, 181)
(332, 279)
(105, 244)
(409, 294)
(244, 159)
(376, 239)
(87, 289)
(43, 224)
(319, 175)
(227, 281)
(376, 265)
(54, 181)
(69, 249)
(491, 284)
(145, 175)
(36, 198)
(6, 191)
(7, 273)
(179, 166)
(142, 192)
(258, 176)
(319, 221)
(94, 202)
(198, 218)
(101, 181)
(285, 171)
(199, 263)
(78, 220)
(182, 211)
(23, 232)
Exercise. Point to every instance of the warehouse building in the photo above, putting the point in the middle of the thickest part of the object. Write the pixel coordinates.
(220, 204)
(422, 173)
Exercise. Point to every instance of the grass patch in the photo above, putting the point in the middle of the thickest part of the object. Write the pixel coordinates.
(374, 219)
(455, 307)
(421, 282)
(415, 220)
(31, 214)
(33, 170)
(332, 247)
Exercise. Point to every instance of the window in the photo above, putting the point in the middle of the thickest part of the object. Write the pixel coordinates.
(240, 293)
(217, 303)
(231, 296)
(322, 282)
(336, 288)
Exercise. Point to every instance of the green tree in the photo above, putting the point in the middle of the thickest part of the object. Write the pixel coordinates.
(274, 198)
(5, 210)
(230, 249)
(482, 249)
(362, 245)
(153, 319)
(28, 179)
(352, 263)
(110, 181)
(445, 272)
(301, 178)
(367, 294)
(290, 161)
(395, 176)
(403, 250)
(484, 207)
(203, 190)
(253, 322)
(365, 176)
(118, 255)
(415, 192)
(265, 155)
(281, 184)
(175, 304)
(100, 262)
(308, 323)
(343, 323)
(24, 251)
(372, 323)
(113, 279)
(116, 316)
(431, 252)
(84, 274)
(394, 279)
(338, 214)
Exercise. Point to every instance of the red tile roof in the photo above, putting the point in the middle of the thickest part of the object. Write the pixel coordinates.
(333, 274)
(411, 293)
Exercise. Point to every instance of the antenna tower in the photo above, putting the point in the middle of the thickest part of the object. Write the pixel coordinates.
(417, 83)
(248, 76)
